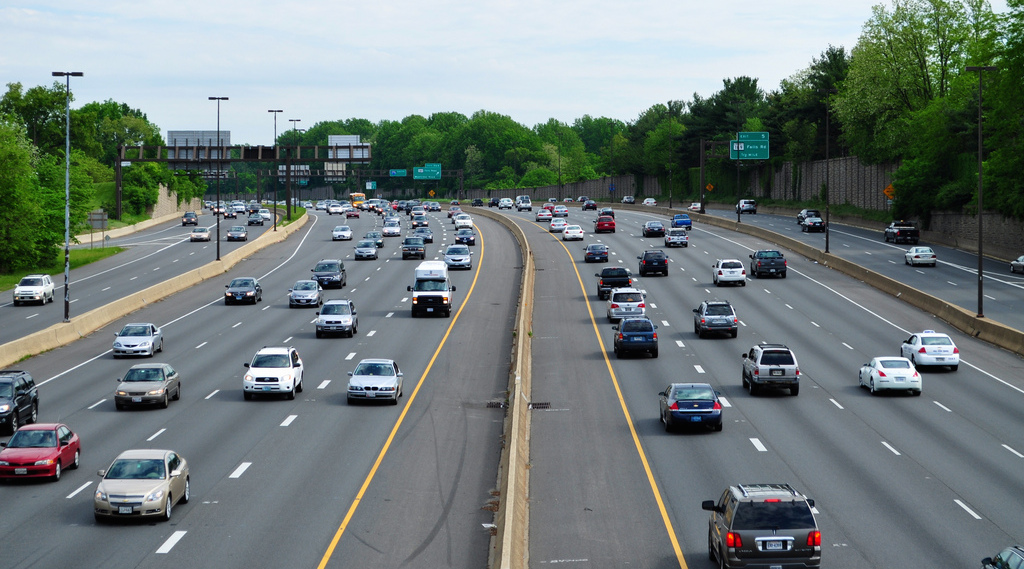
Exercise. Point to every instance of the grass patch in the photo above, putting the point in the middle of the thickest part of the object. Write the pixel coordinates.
(79, 257)
(297, 212)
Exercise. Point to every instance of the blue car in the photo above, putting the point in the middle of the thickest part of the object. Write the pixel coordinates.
(682, 220)
(635, 335)
(694, 404)
(596, 253)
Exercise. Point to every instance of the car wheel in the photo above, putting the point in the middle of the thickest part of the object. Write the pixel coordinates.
(734, 333)
(299, 386)
(15, 422)
(319, 334)
(718, 427)
(783, 274)
(247, 396)
(668, 424)
(167, 507)
(954, 368)
(711, 548)
(743, 379)
(753, 387)
(56, 471)
(871, 387)
(77, 460)
(177, 392)
(700, 333)
(654, 353)
(917, 393)
(164, 403)
(161, 350)
(34, 415)
(291, 394)
(118, 406)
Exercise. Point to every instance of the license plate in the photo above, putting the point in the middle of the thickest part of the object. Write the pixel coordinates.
(695, 419)
(136, 400)
(21, 471)
(771, 270)
(371, 394)
(430, 310)
(638, 339)
(939, 359)
(773, 546)
(266, 388)
(124, 509)
(777, 372)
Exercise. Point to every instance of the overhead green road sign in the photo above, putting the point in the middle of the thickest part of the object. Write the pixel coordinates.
(427, 172)
(749, 146)
(399, 173)
(752, 136)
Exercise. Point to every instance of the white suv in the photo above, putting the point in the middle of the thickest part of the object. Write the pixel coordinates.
(273, 370)
(34, 288)
(523, 202)
(505, 203)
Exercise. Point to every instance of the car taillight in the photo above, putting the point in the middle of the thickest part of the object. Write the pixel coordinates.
(757, 371)
(620, 335)
(641, 305)
(720, 272)
(674, 406)
(785, 263)
(733, 539)
(797, 371)
(922, 350)
(881, 373)
(600, 282)
(772, 500)
(716, 406)
(655, 335)
(956, 350)
(614, 305)
(743, 272)
(814, 539)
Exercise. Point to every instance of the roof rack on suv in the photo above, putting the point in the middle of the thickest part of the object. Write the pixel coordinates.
(748, 489)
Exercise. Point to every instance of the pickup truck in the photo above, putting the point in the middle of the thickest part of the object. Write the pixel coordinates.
(767, 262)
(902, 232)
(612, 277)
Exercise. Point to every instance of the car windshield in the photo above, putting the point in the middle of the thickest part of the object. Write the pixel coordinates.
(326, 267)
(270, 360)
(775, 358)
(367, 245)
(460, 250)
(6, 391)
(342, 228)
(372, 234)
(31, 282)
(597, 248)
(335, 309)
(637, 326)
(465, 232)
(677, 232)
(936, 341)
(136, 469)
(430, 286)
(241, 283)
(770, 254)
(654, 224)
(414, 241)
(32, 439)
(694, 394)
(626, 297)
(135, 330)
(732, 265)
(304, 285)
(772, 516)
(895, 364)
(374, 369)
(143, 374)
(718, 310)
(199, 230)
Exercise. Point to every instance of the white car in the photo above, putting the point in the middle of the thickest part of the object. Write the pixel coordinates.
(505, 203)
(321, 205)
(375, 379)
(572, 233)
(141, 339)
(265, 214)
(458, 256)
(558, 225)
(542, 215)
(34, 288)
(728, 271)
(650, 201)
(626, 303)
(931, 348)
(341, 233)
(335, 208)
(676, 237)
(391, 229)
(463, 221)
(694, 206)
(273, 370)
(919, 256)
(890, 373)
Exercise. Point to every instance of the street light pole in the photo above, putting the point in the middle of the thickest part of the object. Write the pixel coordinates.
(275, 111)
(981, 256)
(67, 187)
(559, 165)
(219, 151)
(828, 140)
(288, 197)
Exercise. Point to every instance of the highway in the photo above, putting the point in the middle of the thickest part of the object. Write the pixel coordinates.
(303, 483)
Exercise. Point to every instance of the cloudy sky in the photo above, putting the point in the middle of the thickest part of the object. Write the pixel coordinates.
(384, 60)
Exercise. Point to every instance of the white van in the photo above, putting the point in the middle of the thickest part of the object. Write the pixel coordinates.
(432, 292)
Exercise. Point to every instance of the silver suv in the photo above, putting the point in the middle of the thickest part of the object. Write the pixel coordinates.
(337, 317)
(746, 206)
(771, 365)
(763, 525)
(715, 316)
(626, 303)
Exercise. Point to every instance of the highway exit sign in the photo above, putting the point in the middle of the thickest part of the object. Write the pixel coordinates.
(749, 146)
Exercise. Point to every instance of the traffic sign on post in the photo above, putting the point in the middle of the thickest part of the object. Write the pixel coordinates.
(398, 173)
(427, 172)
(749, 146)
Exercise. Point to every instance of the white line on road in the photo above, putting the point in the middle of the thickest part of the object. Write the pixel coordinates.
(171, 542)
(32, 316)
(789, 307)
(156, 434)
(286, 340)
(943, 407)
(989, 297)
(96, 404)
(758, 445)
(133, 278)
(324, 384)
(214, 392)
(968, 510)
(201, 345)
(389, 315)
(954, 284)
(240, 470)
(698, 368)
(680, 343)
(724, 401)
(288, 420)
(104, 289)
(654, 305)
(836, 403)
(371, 333)
(815, 324)
(890, 447)
(848, 345)
(350, 355)
(237, 325)
(79, 489)
(665, 323)
(265, 307)
(1019, 455)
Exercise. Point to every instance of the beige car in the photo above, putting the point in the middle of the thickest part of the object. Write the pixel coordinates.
(148, 384)
(142, 483)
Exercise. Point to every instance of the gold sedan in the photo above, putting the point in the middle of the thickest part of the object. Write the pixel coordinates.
(142, 483)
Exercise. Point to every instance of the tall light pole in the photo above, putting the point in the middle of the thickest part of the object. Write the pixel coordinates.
(981, 256)
(67, 187)
(559, 165)
(828, 139)
(275, 111)
(288, 194)
(219, 152)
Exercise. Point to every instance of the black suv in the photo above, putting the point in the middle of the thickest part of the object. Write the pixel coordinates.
(715, 316)
(771, 365)
(477, 202)
(18, 399)
(763, 525)
(413, 247)
(190, 218)
(330, 273)
(653, 261)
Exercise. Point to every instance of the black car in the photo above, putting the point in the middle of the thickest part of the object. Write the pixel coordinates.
(425, 233)
(763, 525)
(420, 221)
(477, 202)
(635, 335)
(812, 225)
(190, 218)
(654, 229)
(413, 247)
(606, 211)
(596, 253)
(229, 211)
(238, 233)
(493, 202)
(243, 289)
(330, 273)
(465, 236)
(19, 399)
(653, 261)
(805, 213)
(589, 204)
(255, 219)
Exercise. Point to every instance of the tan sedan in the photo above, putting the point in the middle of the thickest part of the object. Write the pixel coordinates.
(142, 483)
(148, 384)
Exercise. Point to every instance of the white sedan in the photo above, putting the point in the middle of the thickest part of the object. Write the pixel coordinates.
(890, 373)
(650, 201)
(695, 206)
(542, 215)
(919, 256)
(572, 233)
(558, 225)
(341, 233)
(335, 208)
(931, 348)
(728, 271)
(265, 214)
(463, 221)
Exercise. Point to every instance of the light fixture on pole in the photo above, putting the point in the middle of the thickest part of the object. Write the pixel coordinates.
(219, 152)
(276, 157)
(67, 187)
(981, 256)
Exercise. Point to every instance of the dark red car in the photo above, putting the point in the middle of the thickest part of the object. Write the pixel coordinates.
(604, 223)
(40, 450)
(352, 213)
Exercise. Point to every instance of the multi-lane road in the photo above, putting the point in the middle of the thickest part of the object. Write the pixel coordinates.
(898, 481)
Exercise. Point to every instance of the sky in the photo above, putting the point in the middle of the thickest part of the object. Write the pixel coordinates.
(321, 60)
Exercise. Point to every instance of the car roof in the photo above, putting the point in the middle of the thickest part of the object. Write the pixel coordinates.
(273, 350)
(375, 361)
(144, 453)
(40, 426)
(337, 301)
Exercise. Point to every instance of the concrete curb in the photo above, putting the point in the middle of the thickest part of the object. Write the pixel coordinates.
(64, 333)
(510, 544)
(83, 238)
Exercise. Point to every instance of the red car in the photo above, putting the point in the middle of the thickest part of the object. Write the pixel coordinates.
(604, 223)
(40, 450)
(550, 206)
(351, 213)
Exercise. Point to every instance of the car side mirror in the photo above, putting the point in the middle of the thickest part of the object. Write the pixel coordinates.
(744, 356)
(176, 473)
(986, 562)
(453, 289)
(246, 364)
(708, 505)
(640, 257)
(409, 288)
(350, 374)
(751, 256)
(695, 311)
(101, 473)
(227, 286)
(663, 394)
(400, 374)
(810, 502)
(615, 327)
(597, 274)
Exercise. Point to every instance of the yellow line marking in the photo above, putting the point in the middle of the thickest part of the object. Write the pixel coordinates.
(401, 417)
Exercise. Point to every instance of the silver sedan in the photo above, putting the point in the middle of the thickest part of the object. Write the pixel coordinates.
(138, 339)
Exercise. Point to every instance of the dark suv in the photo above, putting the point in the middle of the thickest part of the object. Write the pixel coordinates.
(19, 400)
(653, 261)
(763, 525)
(330, 273)
(715, 316)
(190, 218)
(771, 365)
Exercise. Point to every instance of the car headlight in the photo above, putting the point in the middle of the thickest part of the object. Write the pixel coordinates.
(46, 462)
(155, 496)
(250, 293)
(156, 392)
(227, 293)
(122, 393)
(286, 377)
(117, 344)
(100, 495)
(5, 407)
(145, 343)
(4, 463)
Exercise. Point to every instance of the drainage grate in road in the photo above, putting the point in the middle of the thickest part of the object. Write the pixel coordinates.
(495, 404)
(537, 405)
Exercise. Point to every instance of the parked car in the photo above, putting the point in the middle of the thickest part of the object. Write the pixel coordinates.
(337, 316)
(715, 316)
(148, 384)
(42, 450)
(273, 370)
(138, 339)
(635, 335)
(237, 233)
(375, 379)
(771, 365)
(931, 348)
(889, 373)
(142, 483)
(306, 293)
(34, 288)
(920, 256)
(243, 289)
(728, 271)
(690, 404)
(596, 253)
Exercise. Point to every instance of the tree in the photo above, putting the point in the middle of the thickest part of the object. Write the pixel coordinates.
(21, 214)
